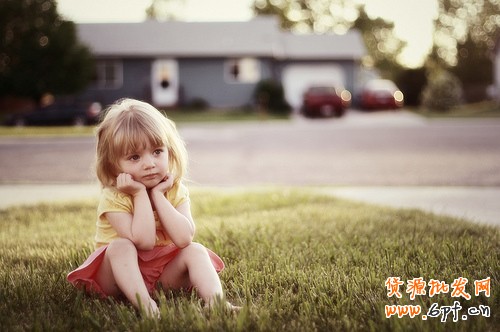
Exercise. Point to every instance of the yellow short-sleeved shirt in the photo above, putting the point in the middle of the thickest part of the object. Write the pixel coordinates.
(113, 200)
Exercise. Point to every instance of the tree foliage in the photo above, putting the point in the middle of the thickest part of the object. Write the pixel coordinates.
(443, 91)
(169, 10)
(383, 46)
(460, 20)
(39, 51)
(303, 16)
(412, 81)
(466, 33)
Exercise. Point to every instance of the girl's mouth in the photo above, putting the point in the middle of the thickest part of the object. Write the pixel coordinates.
(150, 177)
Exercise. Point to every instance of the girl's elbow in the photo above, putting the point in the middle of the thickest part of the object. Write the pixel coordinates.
(184, 242)
(145, 244)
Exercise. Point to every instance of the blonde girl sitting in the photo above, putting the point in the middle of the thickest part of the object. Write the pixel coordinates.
(144, 234)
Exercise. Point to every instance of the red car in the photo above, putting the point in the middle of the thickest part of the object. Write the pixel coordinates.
(325, 101)
(381, 94)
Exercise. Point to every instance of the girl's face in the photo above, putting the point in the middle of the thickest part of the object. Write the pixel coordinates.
(148, 165)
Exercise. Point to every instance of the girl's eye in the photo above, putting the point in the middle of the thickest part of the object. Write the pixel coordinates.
(134, 157)
(158, 151)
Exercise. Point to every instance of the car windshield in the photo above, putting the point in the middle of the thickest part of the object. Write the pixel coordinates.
(381, 85)
(321, 90)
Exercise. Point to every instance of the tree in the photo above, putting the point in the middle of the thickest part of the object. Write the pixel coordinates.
(170, 10)
(465, 36)
(474, 68)
(412, 82)
(460, 20)
(382, 45)
(339, 16)
(442, 92)
(39, 51)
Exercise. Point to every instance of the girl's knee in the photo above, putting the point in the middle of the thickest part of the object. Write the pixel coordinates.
(195, 248)
(121, 246)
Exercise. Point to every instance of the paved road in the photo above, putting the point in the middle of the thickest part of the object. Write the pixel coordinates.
(382, 149)
(401, 160)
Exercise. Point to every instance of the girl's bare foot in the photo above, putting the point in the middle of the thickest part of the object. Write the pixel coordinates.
(226, 305)
(232, 307)
(152, 310)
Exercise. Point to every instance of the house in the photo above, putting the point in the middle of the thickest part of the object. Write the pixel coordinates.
(220, 63)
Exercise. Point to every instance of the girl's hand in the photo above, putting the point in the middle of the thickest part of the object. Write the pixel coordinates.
(165, 184)
(126, 184)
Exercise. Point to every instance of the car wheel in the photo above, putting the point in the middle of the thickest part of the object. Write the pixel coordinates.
(19, 122)
(79, 121)
(326, 110)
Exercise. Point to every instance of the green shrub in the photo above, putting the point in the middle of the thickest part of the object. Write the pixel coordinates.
(442, 92)
(270, 97)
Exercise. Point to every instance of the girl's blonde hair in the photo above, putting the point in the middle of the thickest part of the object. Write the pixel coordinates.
(130, 125)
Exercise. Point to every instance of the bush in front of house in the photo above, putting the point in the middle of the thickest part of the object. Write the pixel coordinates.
(442, 92)
(198, 104)
(269, 97)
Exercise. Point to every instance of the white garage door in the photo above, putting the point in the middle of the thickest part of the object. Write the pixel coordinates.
(297, 78)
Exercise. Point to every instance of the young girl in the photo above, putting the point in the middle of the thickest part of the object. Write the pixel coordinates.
(144, 226)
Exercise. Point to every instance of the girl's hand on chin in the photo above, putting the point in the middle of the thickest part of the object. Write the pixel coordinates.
(126, 184)
(165, 184)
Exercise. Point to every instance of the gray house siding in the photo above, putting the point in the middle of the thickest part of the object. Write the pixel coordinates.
(199, 78)
(207, 79)
(218, 62)
(204, 79)
(136, 78)
(135, 82)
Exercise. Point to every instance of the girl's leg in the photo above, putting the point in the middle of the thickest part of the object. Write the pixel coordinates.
(119, 272)
(192, 267)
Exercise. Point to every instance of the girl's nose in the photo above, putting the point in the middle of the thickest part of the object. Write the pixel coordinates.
(149, 162)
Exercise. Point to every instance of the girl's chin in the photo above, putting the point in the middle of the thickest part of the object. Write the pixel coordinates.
(150, 185)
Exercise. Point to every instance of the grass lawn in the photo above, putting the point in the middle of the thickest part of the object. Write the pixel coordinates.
(296, 261)
(485, 109)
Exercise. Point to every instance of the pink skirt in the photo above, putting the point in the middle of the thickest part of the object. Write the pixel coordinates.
(151, 263)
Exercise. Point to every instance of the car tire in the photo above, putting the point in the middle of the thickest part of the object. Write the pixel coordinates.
(19, 122)
(327, 110)
(79, 121)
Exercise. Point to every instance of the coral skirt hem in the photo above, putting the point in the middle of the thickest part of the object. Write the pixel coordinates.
(151, 263)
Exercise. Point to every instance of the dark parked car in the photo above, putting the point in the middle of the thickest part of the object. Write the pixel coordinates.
(381, 94)
(325, 101)
(58, 113)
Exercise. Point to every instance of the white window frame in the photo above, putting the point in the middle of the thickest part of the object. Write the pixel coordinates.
(247, 75)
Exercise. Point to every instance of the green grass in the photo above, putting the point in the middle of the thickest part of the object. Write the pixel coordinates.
(485, 109)
(295, 260)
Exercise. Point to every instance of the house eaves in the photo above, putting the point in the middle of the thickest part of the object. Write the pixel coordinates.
(181, 39)
(260, 37)
(349, 46)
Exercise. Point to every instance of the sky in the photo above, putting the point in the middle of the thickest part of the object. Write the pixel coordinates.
(413, 19)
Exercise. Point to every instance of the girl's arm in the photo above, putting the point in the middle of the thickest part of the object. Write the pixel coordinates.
(178, 223)
(140, 227)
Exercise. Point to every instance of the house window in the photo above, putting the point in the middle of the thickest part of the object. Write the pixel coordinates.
(244, 70)
(108, 74)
